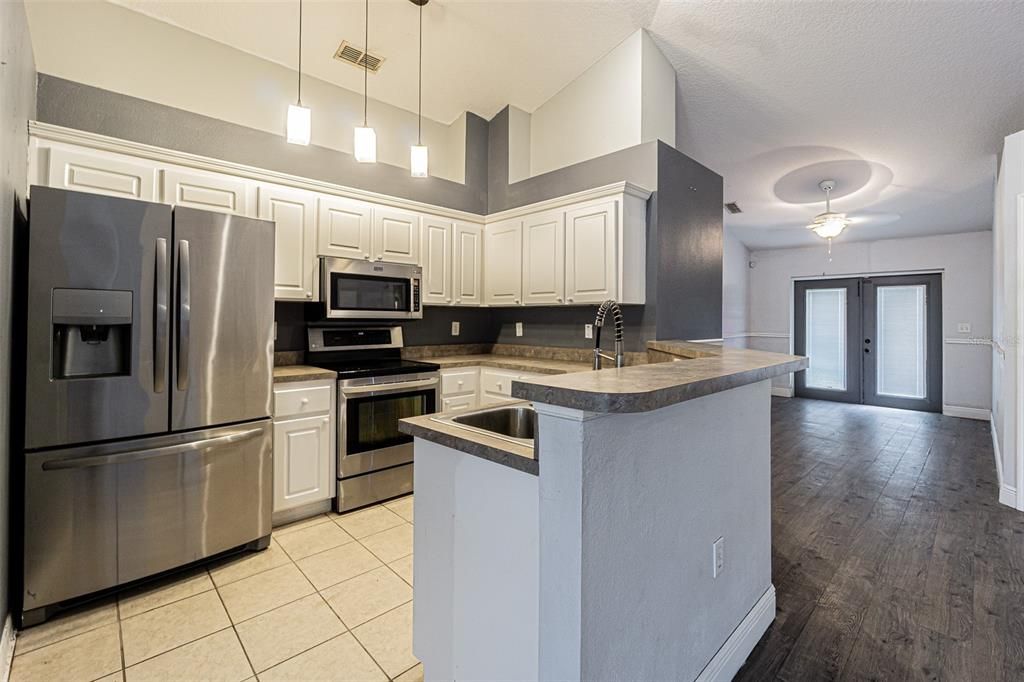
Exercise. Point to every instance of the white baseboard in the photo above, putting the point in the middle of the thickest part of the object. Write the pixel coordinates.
(733, 654)
(978, 413)
(7, 648)
(1007, 493)
(781, 392)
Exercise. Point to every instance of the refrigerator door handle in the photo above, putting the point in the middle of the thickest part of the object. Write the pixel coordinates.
(184, 312)
(150, 453)
(161, 338)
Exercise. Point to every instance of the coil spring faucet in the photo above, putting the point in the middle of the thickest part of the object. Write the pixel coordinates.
(619, 357)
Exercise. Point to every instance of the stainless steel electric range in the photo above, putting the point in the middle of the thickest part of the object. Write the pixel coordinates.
(376, 388)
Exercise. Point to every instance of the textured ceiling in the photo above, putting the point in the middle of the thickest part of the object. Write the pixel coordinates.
(904, 104)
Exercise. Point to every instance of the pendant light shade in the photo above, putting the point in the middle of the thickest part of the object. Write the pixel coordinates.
(418, 152)
(300, 126)
(365, 142)
(366, 145)
(300, 118)
(418, 160)
(828, 224)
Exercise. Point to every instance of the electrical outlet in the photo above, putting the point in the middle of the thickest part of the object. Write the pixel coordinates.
(718, 549)
(519, 328)
(964, 327)
(456, 328)
(588, 331)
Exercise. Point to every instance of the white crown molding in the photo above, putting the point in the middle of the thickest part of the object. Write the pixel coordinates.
(81, 138)
(614, 189)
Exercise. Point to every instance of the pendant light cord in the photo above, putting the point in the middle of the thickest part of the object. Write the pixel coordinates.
(299, 93)
(366, 51)
(419, 108)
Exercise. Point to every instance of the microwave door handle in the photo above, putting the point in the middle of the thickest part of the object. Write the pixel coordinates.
(397, 387)
(184, 312)
(161, 315)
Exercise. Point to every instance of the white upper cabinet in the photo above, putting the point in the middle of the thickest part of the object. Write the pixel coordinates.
(591, 253)
(544, 258)
(343, 227)
(101, 173)
(207, 191)
(503, 263)
(437, 260)
(295, 262)
(396, 235)
(467, 266)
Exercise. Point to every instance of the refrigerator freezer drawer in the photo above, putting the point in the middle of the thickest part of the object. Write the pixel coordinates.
(101, 516)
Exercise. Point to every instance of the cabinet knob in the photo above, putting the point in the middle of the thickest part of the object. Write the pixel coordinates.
(380, 257)
(327, 420)
(458, 300)
(460, 383)
(517, 300)
(366, 256)
(569, 299)
(499, 384)
(304, 401)
(559, 299)
(309, 294)
(448, 300)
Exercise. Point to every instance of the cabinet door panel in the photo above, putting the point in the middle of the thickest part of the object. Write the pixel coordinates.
(544, 258)
(396, 236)
(343, 228)
(503, 263)
(591, 253)
(302, 462)
(467, 264)
(101, 174)
(295, 255)
(437, 261)
(205, 191)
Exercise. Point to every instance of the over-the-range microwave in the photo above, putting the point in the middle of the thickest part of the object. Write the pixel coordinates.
(361, 290)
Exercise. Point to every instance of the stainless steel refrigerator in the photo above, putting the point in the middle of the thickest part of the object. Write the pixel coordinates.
(147, 391)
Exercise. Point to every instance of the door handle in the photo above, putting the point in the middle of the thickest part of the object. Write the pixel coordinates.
(161, 314)
(388, 388)
(150, 453)
(184, 312)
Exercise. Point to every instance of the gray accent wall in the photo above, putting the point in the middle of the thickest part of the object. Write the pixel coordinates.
(18, 100)
(689, 253)
(84, 107)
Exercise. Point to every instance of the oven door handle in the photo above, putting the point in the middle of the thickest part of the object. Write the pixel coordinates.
(396, 387)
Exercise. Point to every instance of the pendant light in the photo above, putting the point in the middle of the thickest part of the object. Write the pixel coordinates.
(365, 143)
(418, 151)
(299, 117)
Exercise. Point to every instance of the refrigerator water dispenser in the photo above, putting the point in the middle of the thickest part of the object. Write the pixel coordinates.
(92, 333)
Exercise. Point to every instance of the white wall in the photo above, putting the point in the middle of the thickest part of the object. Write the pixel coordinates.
(735, 288)
(965, 261)
(1007, 228)
(625, 99)
(99, 44)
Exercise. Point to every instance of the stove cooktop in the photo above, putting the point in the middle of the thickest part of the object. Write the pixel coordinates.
(357, 369)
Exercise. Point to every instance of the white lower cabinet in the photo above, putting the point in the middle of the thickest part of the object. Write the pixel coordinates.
(304, 452)
(467, 388)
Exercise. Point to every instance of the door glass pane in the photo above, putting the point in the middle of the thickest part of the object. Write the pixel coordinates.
(826, 339)
(901, 346)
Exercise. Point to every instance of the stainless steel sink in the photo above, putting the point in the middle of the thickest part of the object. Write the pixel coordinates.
(516, 423)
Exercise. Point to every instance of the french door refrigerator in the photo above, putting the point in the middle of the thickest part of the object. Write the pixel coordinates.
(147, 391)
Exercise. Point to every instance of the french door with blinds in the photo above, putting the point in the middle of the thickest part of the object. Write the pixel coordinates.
(872, 340)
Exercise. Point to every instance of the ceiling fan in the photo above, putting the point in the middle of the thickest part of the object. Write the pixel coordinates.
(828, 224)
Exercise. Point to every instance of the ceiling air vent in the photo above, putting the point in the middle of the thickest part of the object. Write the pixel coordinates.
(347, 52)
(733, 207)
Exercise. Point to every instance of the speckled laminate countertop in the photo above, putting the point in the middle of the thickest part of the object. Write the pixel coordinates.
(649, 387)
(288, 373)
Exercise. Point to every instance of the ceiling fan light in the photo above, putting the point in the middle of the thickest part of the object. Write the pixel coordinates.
(365, 145)
(418, 160)
(832, 227)
(299, 124)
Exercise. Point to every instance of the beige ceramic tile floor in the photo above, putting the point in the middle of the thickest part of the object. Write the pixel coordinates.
(331, 599)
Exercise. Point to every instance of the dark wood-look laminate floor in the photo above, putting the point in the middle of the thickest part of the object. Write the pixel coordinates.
(891, 556)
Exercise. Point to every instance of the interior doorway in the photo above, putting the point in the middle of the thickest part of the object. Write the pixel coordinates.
(871, 340)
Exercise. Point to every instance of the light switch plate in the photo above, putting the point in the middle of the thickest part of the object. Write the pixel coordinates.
(456, 328)
(519, 328)
(588, 331)
(964, 327)
(718, 550)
